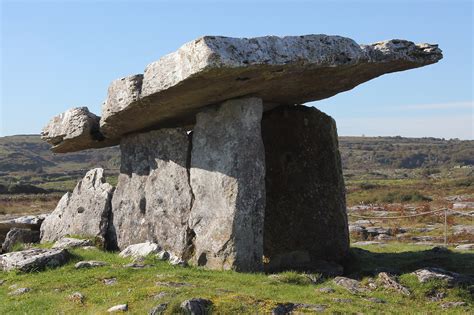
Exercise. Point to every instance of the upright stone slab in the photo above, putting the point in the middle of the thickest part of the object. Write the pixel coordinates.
(153, 196)
(228, 181)
(305, 216)
(85, 211)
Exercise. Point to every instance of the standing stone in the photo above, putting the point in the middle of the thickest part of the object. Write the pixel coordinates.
(153, 196)
(228, 181)
(305, 216)
(84, 212)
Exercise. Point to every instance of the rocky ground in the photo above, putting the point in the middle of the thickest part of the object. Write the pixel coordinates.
(394, 278)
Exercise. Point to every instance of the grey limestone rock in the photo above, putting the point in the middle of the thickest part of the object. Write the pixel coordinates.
(85, 211)
(227, 178)
(74, 130)
(16, 235)
(196, 306)
(153, 197)
(282, 70)
(33, 259)
(350, 285)
(212, 69)
(89, 264)
(140, 250)
(305, 214)
(67, 242)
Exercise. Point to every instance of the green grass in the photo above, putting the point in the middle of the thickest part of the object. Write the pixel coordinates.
(230, 292)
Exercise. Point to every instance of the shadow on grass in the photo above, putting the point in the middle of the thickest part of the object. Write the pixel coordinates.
(366, 263)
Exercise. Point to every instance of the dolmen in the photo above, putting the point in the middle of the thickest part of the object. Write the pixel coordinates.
(221, 164)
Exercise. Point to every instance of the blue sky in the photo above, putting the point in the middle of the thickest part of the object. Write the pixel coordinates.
(60, 54)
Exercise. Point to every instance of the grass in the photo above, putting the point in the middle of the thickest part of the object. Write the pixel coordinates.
(230, 292)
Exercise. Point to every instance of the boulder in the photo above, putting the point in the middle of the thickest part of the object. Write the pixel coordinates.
(140, 250)
(67, 242)
(74, 130)
(305, 214)
(153, 197)
(85, 211)
(30, 222)
(196, 306)
(33, 259)
(17, 235)
(227, 178)
(451, 278)
(159, 309)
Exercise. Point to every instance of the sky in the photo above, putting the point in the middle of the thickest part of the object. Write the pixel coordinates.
(61, 54)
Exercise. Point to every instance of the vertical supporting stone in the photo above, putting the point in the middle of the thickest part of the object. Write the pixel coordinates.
(83, 212)
(153, 197)
(305, 216)
(228, 182)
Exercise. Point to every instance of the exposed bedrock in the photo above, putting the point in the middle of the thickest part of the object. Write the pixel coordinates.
(228, 182)
(85, 211)
(153, 197)
(305, 216)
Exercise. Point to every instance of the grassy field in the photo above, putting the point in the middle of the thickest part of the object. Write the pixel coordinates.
(233, 292)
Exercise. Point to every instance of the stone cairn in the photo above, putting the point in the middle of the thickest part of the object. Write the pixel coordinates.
(220, 164)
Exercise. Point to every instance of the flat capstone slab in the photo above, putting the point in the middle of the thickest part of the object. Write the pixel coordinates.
(212, 69)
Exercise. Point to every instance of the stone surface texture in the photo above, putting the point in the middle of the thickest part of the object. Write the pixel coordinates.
(212, 69)
(305, 215)
(74, 130)
(227, 179)
(67, 242)
(140, 250)
(85, 211)
(196, 306)
(153, 197)
(33, 259)
(22, 236)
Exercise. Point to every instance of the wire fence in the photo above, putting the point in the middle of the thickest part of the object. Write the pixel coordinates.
(445, 210)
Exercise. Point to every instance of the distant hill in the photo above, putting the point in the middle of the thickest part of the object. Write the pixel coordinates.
(404, 153)
(25, 160)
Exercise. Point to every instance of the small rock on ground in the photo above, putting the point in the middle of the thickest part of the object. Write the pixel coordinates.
(68, 242)
(389, 282)
(118, 308)
(140, 250)
(89, 264)
(465, 247)
(173, 284)
(19, 291)
(196, 306)
(350, 285)
(289, 308)
(452, 278)
(109, 281)
(77, 297)
(326, 290)
(375, 300)
(2, 281)
(159, 309)
(342, 300)
(452, 304)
